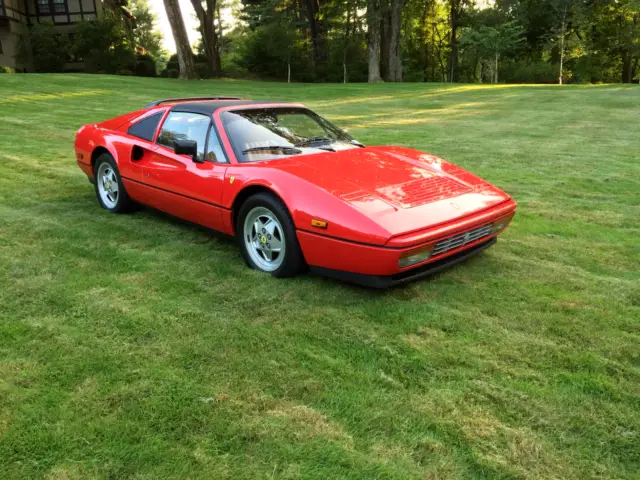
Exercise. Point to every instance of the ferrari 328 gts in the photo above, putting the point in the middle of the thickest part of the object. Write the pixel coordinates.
(296, 191)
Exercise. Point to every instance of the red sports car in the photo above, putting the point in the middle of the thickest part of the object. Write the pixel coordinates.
(295, 190)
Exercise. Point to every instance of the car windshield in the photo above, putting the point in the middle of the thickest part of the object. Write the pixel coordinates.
(259, 134)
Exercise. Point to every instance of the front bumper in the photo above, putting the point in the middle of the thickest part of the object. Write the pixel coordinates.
(409, 275)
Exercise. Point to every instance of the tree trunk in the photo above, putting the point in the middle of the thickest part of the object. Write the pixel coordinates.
(318, 33)
(373, 40)
(220, 26)
(183, 49)
(385, 44)
(453, 41)
(627, 68)
(564, 22)
(209, 35)
(496, 71)
(344, 66)
(394, 61)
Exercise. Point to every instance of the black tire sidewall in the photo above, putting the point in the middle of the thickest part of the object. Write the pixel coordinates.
(293, 259)
(123, 203)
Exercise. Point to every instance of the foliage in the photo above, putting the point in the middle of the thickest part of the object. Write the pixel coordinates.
(145, 66)
(146, 34)
(598, 41)
(6, 69)
(45, 46)
(271, 49)
(488, 43)
(529, 72)
(103, 45)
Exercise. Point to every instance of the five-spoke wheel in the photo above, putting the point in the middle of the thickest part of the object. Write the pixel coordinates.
(267, 236)
(264, 239)
(107, 185)
(109, 188)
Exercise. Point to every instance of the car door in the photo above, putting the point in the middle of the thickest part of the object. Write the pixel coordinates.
(179, 185)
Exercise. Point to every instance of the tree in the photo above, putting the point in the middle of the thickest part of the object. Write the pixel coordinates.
(394, 60)
(183, 49)
(318, 33)
(492, 42)
(43, 44)
(373, 40)
(206, 11)
(146, 34)
(456, 8)
(104, 45)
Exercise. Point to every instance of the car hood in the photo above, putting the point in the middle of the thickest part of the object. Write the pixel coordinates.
(403, 190)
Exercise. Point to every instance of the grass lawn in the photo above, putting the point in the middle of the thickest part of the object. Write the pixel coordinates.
(139, 346)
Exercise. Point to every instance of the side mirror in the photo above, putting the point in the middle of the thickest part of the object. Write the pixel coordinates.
(187, 147)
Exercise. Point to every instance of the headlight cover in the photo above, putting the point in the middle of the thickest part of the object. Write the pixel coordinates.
(415, 256)
(501, 224)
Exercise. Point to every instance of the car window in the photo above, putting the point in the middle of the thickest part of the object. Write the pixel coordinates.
(259, 134)
(214, 149)
(301, 126)
(185, 126)
(146, 128)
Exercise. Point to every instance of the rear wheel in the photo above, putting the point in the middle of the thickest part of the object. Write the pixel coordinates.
(267, 236)
(110, 190)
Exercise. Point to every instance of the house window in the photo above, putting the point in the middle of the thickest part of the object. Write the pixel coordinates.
(52, 6)
(59, 6)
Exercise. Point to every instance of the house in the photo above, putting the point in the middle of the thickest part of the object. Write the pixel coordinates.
(17, 15)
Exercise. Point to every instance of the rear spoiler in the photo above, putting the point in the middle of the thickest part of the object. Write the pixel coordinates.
(188, 99)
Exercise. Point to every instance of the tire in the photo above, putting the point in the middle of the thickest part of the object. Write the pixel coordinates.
(263, 225)
(110, 191)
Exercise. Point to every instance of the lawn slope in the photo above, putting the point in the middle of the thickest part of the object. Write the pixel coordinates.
(138, 346)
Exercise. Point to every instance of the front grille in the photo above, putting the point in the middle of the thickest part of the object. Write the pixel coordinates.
(462, 239)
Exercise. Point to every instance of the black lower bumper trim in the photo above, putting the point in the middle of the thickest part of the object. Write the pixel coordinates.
(379, 281)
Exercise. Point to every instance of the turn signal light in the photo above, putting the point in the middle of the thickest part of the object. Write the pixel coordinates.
(319, 223)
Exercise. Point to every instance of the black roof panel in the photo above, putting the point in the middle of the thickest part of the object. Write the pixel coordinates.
(208, 107)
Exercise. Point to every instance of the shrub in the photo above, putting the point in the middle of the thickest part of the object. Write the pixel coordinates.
(202, 69)
(269, 49)
(145, 66)
(48, 48)
(4, 69)
(103, 46)
(172, 73)
(535, 72)
(232, 65)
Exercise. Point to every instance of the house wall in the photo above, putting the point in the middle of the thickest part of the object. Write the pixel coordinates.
(16, 15)
(77, 10)
(14, 10)
(9, 32)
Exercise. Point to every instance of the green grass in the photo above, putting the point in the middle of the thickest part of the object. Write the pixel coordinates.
(139, 346)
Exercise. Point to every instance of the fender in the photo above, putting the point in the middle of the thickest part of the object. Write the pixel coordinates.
(305, 202)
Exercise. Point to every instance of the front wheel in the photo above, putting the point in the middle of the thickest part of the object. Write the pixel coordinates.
(267, 236)
(110, 190)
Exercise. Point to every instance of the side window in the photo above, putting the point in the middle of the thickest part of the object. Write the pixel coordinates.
(214, 149)
(146, 128)
(185, 126)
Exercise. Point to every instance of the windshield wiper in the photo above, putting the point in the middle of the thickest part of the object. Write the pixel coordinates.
(283, 148)
(321, 143)
(313, 140)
